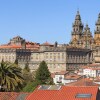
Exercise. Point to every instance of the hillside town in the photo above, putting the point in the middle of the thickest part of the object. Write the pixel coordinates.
(74, 67)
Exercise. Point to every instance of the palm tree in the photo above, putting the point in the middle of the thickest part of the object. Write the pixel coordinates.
(10, 76)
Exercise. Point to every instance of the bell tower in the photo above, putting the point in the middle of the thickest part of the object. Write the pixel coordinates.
(97, 32)
(77, 29)
(87, 38)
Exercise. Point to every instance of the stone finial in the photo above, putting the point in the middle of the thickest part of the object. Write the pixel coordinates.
(78, 17)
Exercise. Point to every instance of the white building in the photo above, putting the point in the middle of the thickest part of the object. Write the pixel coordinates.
(65, 77)
(91, 72)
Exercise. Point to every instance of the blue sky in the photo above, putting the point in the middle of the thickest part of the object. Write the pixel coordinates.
(44, 20)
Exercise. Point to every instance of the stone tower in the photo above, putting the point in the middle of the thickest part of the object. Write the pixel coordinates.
(87, 38)
(77, 29)
(97, 32)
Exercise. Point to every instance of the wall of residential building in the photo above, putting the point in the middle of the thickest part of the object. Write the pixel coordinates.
(58, 79)
(89, 72)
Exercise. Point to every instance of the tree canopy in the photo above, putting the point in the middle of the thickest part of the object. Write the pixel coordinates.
(26, 68)
(43, 75)
(10, 76)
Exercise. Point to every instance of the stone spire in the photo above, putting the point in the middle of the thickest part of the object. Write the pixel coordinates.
(87, 30)
(87, 37)
(97, 32)
(77, 25)
(78, 17)
(77, 30)
(98, 24)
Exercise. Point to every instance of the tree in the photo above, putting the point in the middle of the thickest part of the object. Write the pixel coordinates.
(10, 76)
(27, 74)
(43, 75)
(33, 75)
(26, 68)
(30, 87)
(16, 62)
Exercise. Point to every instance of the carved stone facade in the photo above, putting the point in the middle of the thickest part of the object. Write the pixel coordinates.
(81, 37)
(97, 32)
(78, 57)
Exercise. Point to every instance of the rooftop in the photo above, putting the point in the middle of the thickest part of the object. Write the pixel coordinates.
(61, 73)
(13, 96)
(65, 93)
(73, 77)
(83, 82)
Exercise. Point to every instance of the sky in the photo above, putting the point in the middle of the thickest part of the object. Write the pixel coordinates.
(44, 20)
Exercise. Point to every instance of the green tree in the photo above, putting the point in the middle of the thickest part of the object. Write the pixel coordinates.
(43, 75)
(33, 75)
(30, 87)
(10, 76)
(26, 68)
(27, 74)
(16, 62)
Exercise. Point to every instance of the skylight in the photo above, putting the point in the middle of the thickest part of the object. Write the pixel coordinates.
(49, 87)
(83, 95)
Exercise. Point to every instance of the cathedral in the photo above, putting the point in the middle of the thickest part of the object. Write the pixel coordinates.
(82, 36)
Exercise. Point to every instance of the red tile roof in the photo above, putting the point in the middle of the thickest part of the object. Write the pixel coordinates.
(28, 46)
(47, 44)
(10, 46)
(73, 77)
(61, 73)
(83, 82)
(91, 66)
(12, 95)
(65, 93)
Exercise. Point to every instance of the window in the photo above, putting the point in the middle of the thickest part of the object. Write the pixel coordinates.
(82, 95)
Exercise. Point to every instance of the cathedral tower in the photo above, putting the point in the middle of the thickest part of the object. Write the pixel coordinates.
(77, 29)
(87, 38)
(97, 32)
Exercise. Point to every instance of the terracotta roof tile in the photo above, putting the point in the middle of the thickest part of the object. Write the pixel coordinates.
(19, 46)
(61, 73)
(65, 93)
(47, 44)
(74, 77)
(83, 82)
(11, 95)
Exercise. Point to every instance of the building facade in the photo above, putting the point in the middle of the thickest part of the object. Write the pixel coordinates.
(66, 77)
(10, 55)
(58, 57)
